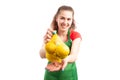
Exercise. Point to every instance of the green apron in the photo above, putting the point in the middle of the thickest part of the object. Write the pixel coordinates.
(69, 73)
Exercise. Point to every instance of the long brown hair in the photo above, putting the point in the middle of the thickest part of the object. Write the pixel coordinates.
(64, 7)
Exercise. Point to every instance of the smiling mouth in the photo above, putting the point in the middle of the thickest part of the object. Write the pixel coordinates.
(64, 25)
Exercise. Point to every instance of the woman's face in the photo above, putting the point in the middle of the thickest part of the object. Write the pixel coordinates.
(64, 20)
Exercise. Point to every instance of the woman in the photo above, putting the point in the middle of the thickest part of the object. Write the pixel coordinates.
(64, 23)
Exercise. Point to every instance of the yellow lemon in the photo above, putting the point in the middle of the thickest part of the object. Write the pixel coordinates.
(56, 49)
(52, 58)
(50, 47)
(62, 51)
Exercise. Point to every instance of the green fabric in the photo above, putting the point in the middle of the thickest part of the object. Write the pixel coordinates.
(69, 42)
(69, 73)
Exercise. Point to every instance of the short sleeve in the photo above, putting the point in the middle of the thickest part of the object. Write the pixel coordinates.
(74, 35)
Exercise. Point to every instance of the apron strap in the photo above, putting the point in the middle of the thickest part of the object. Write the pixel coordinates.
(69, 41)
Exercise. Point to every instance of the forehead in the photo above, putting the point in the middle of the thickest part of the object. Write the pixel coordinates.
(65, 13)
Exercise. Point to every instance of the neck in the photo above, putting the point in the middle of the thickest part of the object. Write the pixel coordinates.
(63, 35)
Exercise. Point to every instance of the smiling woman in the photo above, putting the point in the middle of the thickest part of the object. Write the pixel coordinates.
(64, 19)
(64, 23)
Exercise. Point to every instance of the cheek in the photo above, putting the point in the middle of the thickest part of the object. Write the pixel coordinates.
(60, 21)
(70, 22)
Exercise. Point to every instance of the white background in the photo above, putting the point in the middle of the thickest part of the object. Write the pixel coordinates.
(24, 22)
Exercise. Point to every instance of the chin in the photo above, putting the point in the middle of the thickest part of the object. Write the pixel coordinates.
(64, 29)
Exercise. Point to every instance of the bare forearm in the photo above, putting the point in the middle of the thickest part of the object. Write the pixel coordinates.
(71, 58)
(46, 39)
(42, 52)
(74, 51)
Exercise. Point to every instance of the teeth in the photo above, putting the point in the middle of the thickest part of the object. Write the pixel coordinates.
(63, 24)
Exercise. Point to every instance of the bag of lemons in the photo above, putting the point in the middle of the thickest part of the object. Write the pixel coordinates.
(56, 49)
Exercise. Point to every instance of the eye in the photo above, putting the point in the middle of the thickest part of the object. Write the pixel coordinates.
(69, 19)
(62, 18)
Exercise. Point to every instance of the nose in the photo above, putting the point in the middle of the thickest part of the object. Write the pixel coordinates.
(65, 21)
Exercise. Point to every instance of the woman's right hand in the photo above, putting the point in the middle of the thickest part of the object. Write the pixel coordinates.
(48, 35)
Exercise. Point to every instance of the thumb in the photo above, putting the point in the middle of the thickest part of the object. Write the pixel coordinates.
(64, 65)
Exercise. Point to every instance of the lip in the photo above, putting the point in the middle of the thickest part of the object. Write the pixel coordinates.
(64, 25)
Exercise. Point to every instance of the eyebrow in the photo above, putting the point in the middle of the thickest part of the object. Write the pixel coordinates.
(64, 17)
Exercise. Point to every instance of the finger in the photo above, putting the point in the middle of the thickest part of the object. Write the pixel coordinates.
(64, 65)
(55, 68)
(47, 40)
(52, 67)
(49, 36)
(49, 32)
(50, 29)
